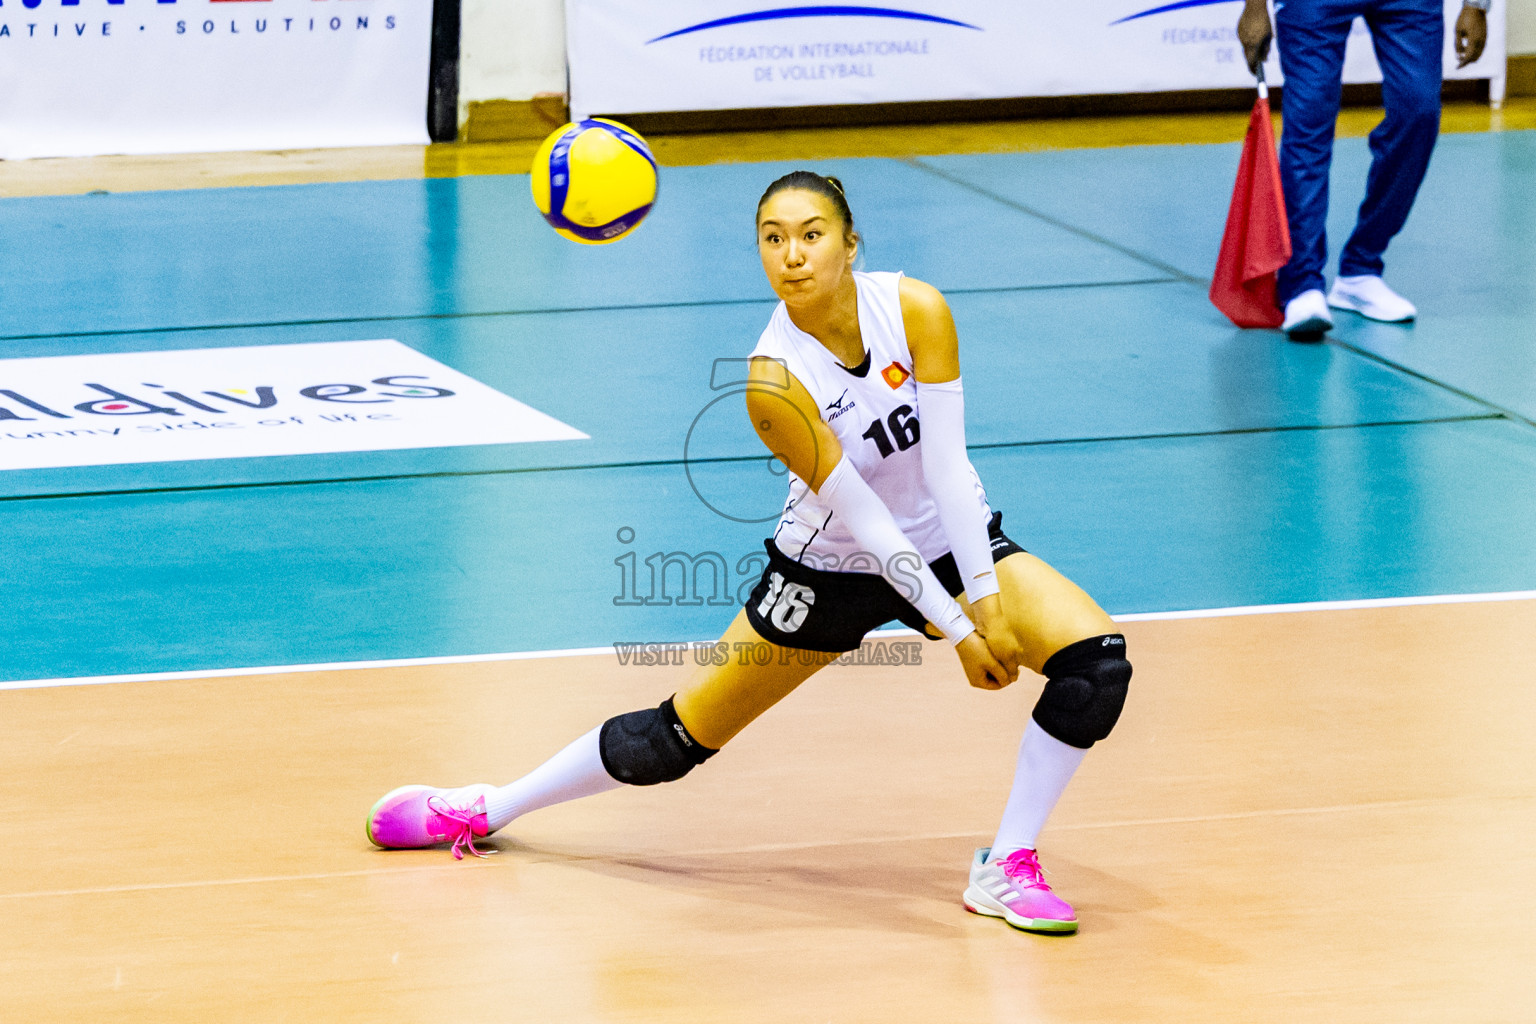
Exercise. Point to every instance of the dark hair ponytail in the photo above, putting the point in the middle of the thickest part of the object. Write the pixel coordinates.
(823, 185)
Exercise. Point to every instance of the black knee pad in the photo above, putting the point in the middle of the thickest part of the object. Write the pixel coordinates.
(643, 748)
(1084, 690)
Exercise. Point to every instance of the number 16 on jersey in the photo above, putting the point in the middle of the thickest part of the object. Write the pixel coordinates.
(904, 428)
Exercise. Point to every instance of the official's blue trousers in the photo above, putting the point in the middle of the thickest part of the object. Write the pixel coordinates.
(1408, 36)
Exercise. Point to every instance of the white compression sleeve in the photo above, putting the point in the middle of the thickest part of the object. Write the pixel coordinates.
(872, 524)
(576, 771)
(947, 471)
(1045, 767)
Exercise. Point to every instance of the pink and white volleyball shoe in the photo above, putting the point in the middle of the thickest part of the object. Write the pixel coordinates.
(412, 817)
(1014, 889)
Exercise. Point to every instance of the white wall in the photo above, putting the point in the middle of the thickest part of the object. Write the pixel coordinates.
(1522, 26)
(515, 49)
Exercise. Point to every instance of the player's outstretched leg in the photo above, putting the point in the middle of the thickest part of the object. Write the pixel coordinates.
(641, 748)
(415, 816)
(1068, 639)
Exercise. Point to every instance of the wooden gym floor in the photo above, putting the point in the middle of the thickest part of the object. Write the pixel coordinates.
(1313, 814)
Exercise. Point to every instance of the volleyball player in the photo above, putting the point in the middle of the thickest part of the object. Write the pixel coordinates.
(855, 387)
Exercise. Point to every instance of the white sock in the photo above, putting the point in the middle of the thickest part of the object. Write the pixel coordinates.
(1045, 767)
(576, 771)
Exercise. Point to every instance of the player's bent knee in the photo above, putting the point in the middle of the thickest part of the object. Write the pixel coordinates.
(1085, 689)
(647, 747)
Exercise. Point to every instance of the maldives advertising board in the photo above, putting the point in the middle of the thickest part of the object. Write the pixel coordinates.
(88, 77)
(632, 56)
(178, 405)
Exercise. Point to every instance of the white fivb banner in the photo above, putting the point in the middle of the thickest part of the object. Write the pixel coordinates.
(84, 77)
(629, 56)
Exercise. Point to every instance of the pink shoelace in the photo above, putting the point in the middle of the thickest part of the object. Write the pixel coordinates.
(463, 819)
(1023, 865)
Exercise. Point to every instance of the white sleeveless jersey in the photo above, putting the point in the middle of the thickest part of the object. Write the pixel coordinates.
(876, 419)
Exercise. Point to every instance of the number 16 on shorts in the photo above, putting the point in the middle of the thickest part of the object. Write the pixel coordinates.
(786, 604)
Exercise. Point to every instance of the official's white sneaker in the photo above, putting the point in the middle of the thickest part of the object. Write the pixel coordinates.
(1307, 317)
(1369, 296)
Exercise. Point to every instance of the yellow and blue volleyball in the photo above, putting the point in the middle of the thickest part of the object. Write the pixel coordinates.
(594, 180)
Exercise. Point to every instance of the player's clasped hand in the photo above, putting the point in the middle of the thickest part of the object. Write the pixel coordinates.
(998, 632)
(982, 670)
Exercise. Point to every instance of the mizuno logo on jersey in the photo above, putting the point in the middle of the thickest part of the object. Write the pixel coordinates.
(895, 375)
(837, 408)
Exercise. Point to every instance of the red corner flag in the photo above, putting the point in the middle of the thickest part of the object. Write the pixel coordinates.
(1257, 241)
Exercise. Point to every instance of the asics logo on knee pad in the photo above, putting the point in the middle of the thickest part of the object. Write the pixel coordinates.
(646, 747)
(1085, 690)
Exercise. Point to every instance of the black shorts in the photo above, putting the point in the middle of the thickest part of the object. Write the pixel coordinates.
(795, 605)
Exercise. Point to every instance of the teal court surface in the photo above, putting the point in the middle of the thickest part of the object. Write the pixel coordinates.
(1162, 458)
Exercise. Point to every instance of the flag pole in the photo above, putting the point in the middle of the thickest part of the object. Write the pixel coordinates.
(1256, 242)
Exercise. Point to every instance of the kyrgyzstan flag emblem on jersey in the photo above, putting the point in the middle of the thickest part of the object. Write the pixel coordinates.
(895, 375)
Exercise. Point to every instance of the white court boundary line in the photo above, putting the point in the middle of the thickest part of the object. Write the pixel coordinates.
(577, 652)
(1329, 606)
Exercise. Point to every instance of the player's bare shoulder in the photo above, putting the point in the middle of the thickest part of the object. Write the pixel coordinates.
(921, 300)
(930, 331)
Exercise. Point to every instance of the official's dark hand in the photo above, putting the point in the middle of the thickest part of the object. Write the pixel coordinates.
(1471, 35)
(1254, 32)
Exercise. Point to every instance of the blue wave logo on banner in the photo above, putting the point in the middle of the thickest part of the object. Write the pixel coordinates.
(1181, 5)
(779, 13)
